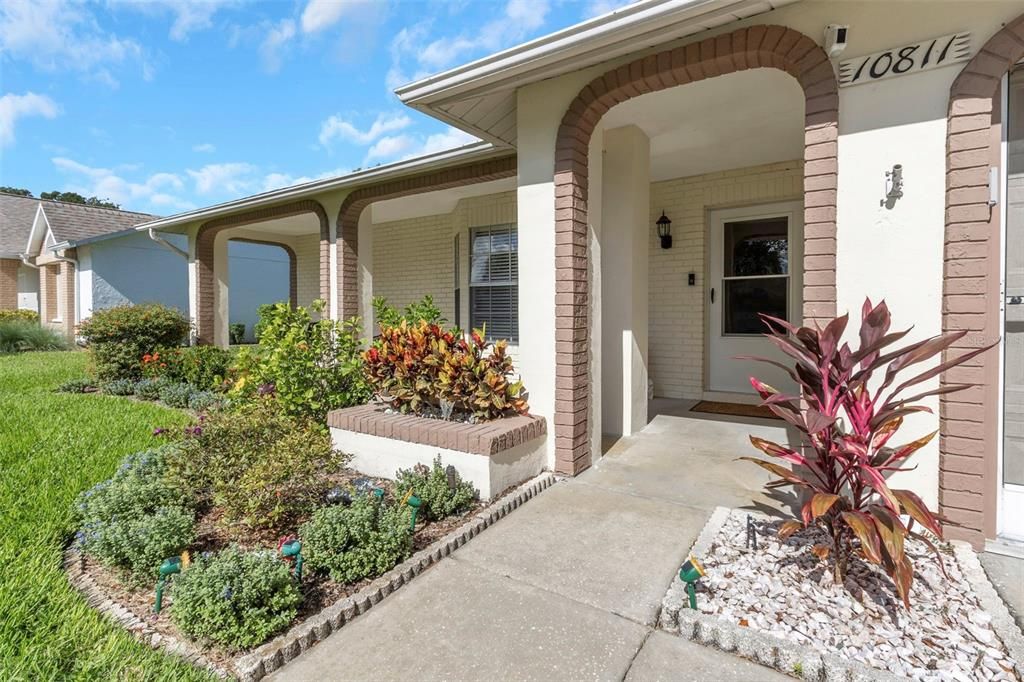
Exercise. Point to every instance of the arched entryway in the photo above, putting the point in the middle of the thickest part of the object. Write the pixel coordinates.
(970, 444)
(211, 327)
(774, 47)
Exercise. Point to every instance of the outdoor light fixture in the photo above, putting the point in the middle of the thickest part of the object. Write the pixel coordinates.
(665, 231)
(690, 572)
(291, 551)
(169, 567)
(414, 503)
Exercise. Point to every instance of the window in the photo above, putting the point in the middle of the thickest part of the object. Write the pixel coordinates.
(756, 274)
(494, 281)
(457, 253)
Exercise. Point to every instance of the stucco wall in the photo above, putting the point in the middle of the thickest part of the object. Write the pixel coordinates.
(259, 274)
(135, 269)
(677, 324)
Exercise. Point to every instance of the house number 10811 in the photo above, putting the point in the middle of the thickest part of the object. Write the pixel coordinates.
(927, 54)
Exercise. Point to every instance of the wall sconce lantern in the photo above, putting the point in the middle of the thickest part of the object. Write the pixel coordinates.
(665, 231)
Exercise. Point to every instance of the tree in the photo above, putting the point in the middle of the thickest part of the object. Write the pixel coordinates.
(76, 198)
(16, 191)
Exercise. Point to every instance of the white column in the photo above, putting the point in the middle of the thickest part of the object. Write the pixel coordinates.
(625, 189)
(193, 287)
(365, 264)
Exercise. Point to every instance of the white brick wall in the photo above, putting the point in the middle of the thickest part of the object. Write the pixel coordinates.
(414, 257)
(307, 267)
(677, 324)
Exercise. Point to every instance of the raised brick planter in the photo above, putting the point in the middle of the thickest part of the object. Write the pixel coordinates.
(493, 456)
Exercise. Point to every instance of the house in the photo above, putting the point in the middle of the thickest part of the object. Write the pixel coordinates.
(65, 260)
(807, 155)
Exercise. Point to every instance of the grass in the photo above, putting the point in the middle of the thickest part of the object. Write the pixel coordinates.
(52, 446)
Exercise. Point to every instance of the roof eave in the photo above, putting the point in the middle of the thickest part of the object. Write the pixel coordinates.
(478, 150)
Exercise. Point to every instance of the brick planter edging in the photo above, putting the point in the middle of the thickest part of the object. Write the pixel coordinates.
(789, 657)
(271, 656)
(487, 438)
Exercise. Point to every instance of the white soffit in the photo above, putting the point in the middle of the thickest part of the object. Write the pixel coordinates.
(480, 97)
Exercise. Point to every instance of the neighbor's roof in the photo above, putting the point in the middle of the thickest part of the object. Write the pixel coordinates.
(74, 223)
(480, 97)
(16, 216)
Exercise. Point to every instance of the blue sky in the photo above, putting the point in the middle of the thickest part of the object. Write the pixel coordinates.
(166, 105)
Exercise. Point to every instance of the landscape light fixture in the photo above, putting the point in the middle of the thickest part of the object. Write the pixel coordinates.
(690, 572)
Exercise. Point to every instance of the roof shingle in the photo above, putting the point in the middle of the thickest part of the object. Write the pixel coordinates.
(16, 215)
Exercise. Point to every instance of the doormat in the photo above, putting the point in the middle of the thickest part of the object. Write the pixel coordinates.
(733, 409)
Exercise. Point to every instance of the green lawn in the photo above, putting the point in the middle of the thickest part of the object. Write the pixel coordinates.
(52, 446)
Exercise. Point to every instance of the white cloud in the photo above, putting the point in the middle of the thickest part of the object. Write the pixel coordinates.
(225, 178)
(189, 16)
(322, 14)
(13, 107)
(55, 34)
(276, 40)
(204, 148)
(338, 128)
(152, 193)
(408, 146)
(390, 147)
(596, 8)
(413, 57)
(278, 180)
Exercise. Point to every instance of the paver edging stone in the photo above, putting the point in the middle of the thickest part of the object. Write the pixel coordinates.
(788, 657)
(271, 656)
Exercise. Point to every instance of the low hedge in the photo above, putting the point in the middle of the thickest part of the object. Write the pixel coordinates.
(21, 315)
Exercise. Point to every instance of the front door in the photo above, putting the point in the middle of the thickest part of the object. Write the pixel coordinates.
(1011, 515)
(755, 267)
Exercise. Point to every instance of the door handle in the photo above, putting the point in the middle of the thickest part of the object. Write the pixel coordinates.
(712, 294)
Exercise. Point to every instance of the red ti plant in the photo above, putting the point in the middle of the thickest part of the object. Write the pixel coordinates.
(846, 427)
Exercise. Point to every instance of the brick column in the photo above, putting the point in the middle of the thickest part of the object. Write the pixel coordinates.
(9, 283)
(66, 297)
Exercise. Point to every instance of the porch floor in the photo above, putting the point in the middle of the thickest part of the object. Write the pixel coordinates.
(570, 585)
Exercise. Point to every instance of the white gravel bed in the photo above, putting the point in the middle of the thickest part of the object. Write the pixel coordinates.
(785, 590)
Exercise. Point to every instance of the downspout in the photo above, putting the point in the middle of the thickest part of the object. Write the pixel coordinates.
(166, 244)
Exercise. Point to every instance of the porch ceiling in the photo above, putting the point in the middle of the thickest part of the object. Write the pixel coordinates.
(737, 120)
(301, 224)
(480, 97)
(435, 203)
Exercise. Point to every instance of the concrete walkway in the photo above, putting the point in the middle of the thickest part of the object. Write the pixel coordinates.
(568, 586)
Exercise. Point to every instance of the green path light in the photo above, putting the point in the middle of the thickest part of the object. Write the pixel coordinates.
(414, 502)
(169, 567)
(291, 550)
(690, 572)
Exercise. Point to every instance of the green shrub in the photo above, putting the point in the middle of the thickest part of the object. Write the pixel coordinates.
(119, 387)
(203, 366)
(235, 598)
(314, 366)
(177, 395)
(76, 386)
(421, 366)
(119, 337)
(205, 401)
(360, 541)
(135, 520)
(386, 315)
(236, 333)
(264, 469)
(440, 489)
(20, 335)
(20, 315)
(150, 389)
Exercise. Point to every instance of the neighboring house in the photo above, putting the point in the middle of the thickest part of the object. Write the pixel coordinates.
(799, 177)
(65, 260)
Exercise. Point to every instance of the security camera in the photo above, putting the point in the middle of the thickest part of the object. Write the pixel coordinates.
(835, 39)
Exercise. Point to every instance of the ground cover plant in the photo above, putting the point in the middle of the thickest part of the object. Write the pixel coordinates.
(53, 446)
(441, 490)
(119, 337)
(421, 367)
(852, 404)
(205, 367)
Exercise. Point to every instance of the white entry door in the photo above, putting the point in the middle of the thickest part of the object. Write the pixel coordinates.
(756, 256)
(1011, 512)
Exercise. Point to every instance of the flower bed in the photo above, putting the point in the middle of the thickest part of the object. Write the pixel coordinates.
(786, 592)
(323, 610)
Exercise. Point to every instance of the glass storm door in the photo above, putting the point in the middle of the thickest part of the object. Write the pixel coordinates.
(756, 256)
(1011, 517)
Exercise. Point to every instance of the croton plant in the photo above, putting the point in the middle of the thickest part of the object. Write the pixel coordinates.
(421, 365)
(851, 406)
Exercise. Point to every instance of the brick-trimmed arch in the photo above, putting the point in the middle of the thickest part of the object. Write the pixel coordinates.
(354, 203)
(293, 265)
(968, 447)
(748, 48)
(206, 282)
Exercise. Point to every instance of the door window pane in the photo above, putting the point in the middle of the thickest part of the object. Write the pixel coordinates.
(757, 247)
(744, 298)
